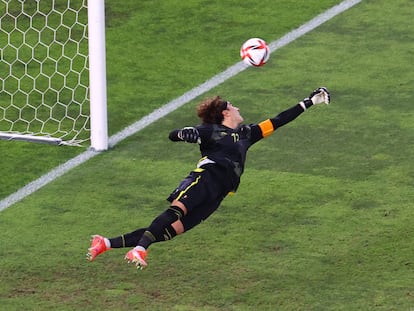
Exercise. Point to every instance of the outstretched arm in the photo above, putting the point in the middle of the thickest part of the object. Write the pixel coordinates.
(318, 96)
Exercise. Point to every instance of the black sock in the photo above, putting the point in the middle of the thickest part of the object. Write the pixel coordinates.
(161, 228)
(148, 237)
(127, 240)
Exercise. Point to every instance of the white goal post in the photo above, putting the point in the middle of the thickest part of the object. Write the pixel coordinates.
(53, 72)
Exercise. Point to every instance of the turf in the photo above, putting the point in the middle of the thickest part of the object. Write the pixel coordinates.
(323, 217)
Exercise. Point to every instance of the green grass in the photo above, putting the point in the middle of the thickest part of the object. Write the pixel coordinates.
(323, 217)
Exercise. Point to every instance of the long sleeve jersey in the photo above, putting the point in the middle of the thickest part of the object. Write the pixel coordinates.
(227, 147)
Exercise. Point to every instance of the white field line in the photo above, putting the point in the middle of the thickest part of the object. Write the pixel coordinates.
(171, 106)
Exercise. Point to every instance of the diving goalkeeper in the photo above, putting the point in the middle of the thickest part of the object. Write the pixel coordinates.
(224, 142)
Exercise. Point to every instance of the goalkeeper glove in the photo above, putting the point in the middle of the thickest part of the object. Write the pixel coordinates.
(189, 135)
(318, 96)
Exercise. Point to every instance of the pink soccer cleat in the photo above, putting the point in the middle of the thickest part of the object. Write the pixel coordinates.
(98, 246)
(137, 256)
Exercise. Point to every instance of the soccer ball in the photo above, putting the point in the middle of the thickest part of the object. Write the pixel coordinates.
(255, 52)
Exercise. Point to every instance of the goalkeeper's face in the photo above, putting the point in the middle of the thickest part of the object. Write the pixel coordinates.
(232, 114)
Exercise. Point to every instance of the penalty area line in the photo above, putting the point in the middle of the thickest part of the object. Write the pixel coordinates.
(172, 105)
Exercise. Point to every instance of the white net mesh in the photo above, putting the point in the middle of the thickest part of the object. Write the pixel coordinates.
(44, 74)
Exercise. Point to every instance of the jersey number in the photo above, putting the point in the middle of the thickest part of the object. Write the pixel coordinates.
(236, 137)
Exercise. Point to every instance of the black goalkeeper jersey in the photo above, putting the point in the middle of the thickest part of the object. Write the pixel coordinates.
(226, 148)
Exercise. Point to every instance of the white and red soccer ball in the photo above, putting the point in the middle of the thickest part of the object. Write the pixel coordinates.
(255, 52)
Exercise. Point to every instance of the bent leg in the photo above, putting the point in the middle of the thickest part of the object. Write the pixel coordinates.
(161, 228)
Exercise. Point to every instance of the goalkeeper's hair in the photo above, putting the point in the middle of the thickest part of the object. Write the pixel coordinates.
(210, 110)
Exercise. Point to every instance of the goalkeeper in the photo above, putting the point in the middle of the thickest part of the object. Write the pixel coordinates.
(223, 142)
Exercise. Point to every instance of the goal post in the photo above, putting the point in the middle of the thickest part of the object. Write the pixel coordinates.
(97, 75)
(53, 72)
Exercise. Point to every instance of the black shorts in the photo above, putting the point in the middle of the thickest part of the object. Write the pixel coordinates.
(201, 192)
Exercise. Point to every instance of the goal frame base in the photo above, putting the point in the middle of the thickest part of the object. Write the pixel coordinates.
(37, 139)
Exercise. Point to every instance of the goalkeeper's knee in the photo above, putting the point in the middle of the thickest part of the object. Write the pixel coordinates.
(171, 214)
(167, 218)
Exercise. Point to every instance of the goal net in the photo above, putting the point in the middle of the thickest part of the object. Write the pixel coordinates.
(44, 71)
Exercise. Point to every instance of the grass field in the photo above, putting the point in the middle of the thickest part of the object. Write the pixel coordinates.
(323, 217)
